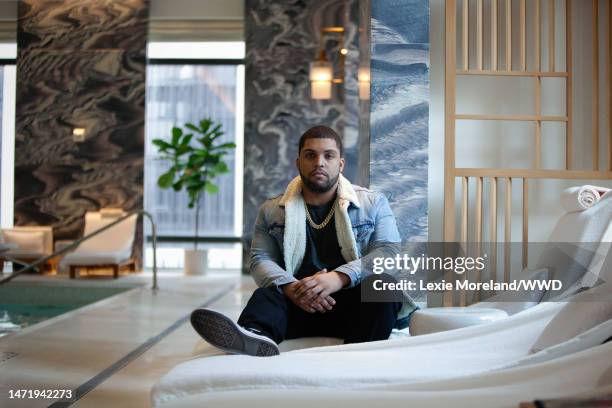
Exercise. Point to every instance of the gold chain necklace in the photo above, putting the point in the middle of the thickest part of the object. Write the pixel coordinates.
(325, 221)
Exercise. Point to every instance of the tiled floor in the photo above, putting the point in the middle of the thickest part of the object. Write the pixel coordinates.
(74, 348)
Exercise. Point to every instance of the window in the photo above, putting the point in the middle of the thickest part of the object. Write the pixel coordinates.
(177, 94)
(1, 87)
(1, 100)
(209, 84)
(8, 54)
(180, 91)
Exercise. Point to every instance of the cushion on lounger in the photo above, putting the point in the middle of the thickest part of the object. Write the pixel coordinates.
(581, 313)
(29, 241)
(590, 338)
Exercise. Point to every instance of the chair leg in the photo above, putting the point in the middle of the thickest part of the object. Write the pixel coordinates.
(73, 271)
(115, 271)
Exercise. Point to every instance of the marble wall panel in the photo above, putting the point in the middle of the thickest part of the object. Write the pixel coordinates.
(399, 111)
(82, 24)
(64, 178)
(351, 135)
(282, 38)
(80, 64)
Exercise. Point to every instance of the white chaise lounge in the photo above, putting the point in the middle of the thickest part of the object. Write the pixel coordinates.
(553, 349)
(109, 249)
(28, 243)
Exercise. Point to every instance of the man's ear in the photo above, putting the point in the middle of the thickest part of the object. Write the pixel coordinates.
(342, 162)
(297, 164)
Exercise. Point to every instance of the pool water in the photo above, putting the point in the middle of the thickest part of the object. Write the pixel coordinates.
(25, 304)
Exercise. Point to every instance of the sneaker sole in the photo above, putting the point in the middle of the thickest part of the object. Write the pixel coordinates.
(224, 334)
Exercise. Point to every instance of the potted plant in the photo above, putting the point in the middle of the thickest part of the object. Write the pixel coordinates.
(196, 160)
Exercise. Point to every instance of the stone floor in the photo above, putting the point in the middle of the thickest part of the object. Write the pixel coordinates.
(112, 352)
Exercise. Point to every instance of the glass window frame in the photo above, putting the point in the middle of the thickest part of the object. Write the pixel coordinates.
(236, 236)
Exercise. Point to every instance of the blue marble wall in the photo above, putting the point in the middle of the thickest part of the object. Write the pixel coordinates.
(80, 63)
(399, 110)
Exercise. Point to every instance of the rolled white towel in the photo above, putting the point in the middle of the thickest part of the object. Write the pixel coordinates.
(581, 198)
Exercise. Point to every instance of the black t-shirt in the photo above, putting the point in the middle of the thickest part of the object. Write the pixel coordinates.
(322, 248)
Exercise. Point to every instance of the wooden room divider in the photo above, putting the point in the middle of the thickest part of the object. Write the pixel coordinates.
(459, 43)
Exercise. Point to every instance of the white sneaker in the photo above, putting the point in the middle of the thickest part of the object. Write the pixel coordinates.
(223, 333)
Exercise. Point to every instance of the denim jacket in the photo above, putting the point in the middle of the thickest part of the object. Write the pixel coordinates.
(372, 223)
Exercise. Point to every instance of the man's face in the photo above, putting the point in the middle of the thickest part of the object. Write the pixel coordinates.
(319, 164)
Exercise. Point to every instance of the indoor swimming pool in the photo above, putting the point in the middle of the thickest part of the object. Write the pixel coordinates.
(24, 304)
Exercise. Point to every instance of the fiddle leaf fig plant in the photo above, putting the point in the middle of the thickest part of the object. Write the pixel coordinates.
(196, 159)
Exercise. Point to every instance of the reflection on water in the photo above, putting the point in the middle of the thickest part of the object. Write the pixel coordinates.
(16, 317)
(6, 325)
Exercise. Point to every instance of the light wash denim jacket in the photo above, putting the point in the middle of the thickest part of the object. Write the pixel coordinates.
(373, 223)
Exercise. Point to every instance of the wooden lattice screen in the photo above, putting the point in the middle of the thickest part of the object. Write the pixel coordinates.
(459, 44)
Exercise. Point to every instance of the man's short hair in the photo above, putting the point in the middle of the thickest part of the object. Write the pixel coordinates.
(321, 132)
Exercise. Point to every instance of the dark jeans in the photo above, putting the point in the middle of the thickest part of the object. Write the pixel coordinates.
(271, 312)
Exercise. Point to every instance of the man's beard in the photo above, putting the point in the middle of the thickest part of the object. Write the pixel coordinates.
(319, 188)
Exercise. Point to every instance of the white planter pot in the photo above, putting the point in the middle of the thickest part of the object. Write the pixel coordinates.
(196, 261)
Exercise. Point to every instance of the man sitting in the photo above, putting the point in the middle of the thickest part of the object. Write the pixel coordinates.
(305, 258)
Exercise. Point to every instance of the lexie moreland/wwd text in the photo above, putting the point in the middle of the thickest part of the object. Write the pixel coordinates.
(515, 285)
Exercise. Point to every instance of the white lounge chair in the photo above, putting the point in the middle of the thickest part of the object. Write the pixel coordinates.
(550, 350)
(28, 243)
(109, 249)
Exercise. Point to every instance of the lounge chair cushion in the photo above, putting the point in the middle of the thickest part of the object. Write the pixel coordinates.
(27, 241)
(31, 241)
(581, 313)
(112, 246)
